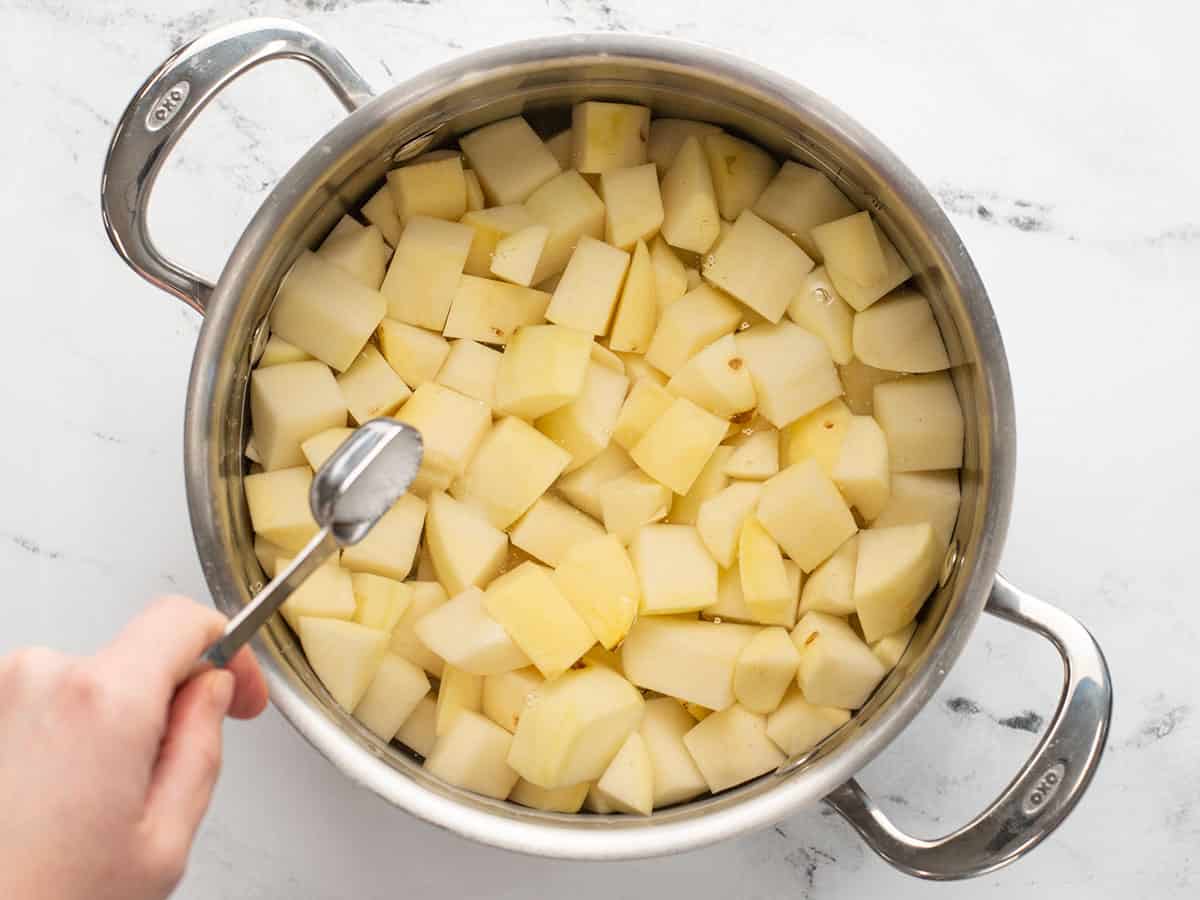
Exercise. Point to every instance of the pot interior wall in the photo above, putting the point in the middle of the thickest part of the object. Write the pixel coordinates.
(420, 119)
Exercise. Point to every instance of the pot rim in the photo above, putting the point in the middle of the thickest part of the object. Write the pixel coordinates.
(730, 813)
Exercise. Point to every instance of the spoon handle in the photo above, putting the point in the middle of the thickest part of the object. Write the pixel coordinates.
(255, 613)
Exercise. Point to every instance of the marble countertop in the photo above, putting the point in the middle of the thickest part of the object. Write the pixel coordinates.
(1060, 137)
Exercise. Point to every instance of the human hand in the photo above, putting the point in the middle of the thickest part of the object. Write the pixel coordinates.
(108, 762)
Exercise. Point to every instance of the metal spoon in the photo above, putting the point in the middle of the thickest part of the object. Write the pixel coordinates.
(359, 482)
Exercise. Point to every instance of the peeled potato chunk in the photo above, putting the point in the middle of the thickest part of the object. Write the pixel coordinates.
(899, 333)
(560, 148)
(492, 311)
(587, 293)
(278, 505)
(380, 211)
(466, 549)
(797, 200)
(691, 220)
(633, 205)
(567, 205)
(391, 546)
(608, 136)
(542, 622)
(817, 435)
(859, 379)
(565, 799)
(861, 472)
(836, 667)
(462, 633)
(379, 602)
(759, 265)
(756, 458)
(720, 519)
(740, 172)
(668, 135)
(451, 425)
(543, 368)
(896, 571)
(344, 655)
(716, 378)
(423, 275)
(637, 310)
(710, 742)
(458, 692)
(360, 251)
(916, 497)
(425, 596)
(394, 692)
(675, 448)
(516, 256)
(819, 308)
(860, 295)
(826, 524)
(574, 727)
(764, 670)
(552, 527)
(791, 369)
(328, 593)
(598, 579)
(415, 354)
(510, 159)
(766, 588)
(675, 778)
(490, 226)
(582, 487)
(644, 405)
(797, 725)
(278, 351)
(473, 755)
(471, 368)
(290, 403)
(891, 647)
(923, 422)
(627, 785)
(584, 426)
(670, 276)
(632, 500)
(418, 731)
(434, 188)
(830, 586)
(688, 659)
(506, 695)
(370, 387)
(851, 246)
(685, 508)
(674, 570)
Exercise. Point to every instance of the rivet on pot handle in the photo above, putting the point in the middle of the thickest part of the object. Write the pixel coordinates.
(1047, 788)
(167, 104)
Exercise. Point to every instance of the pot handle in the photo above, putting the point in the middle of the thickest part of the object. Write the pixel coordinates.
(167, 104)
(1047, 787)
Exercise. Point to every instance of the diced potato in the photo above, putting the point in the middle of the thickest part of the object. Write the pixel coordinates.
(675, 448)
(415, 354)
(720, 519)
(691, 219)
(588, 290)
(582, 487)
(426, 596)
(514, 465)
(574, 727)
(632, 500)
(633, 205)
(451, 425)
(344, 655)
(916, 497)
(637, 311)
(391, 546)
(646, 403)
(458, 692)
(328, 593)
(490, 226)
(267, 553)
(716, 378)
(418, 731)
(551, 527)
(492, 311)
(764, 669)
(543, 368)
(584, 426)
(756, 458)
(710, 742)
(668, 135)
(818, 436)
(425, 270)
(506, 695)
(598, 579)
(792, 371)
(379, 602)
(836, 667)
(542, 622)
(278, 351)
(818, 307)
(325, 311)
(466, 637)
(472, 755)
(279, 509)
(889, 648)
(811, 538)
(896, 571)
(361, 253)
(370, 387)
(471, 368)
(675, 776)
(627, 785)
(568, 206)
(850, 246)
(516, 256)
(675, 572)
(861, 472)
(688, 659)
(923, 422)
(798, 726)
(766, 588)
(429, 481)
(608, 136)
(466, 548)
(380, 211)
(436, 189)
(511, 160)
(475, 199)
(560, 148)
(830, 587)
(394, 692)
(899, 333)
(800, 198)
(564, 800)
(731, 604)
(685, 508)
(290, 403)
(859, 379)
(740, 172)
(670, 276)
(859, 295)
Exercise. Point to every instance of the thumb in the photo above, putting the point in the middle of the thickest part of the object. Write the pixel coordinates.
(189, 759)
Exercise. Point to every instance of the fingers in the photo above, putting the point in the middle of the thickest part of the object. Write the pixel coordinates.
(250, 697)
(160, 647)
(189, 759)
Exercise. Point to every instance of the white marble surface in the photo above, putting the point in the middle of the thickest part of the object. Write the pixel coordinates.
(1061, 138)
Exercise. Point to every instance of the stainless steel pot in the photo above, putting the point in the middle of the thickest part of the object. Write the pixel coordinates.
(538, 77)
